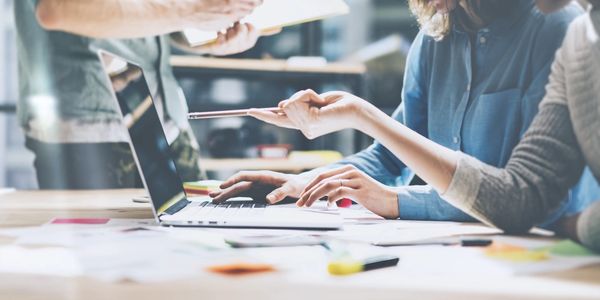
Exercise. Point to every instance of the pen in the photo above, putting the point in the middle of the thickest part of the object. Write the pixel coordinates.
(348, 267)
(228, 113)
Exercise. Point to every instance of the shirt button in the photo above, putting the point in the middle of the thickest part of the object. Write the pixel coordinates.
(482, 40)
(455, 140)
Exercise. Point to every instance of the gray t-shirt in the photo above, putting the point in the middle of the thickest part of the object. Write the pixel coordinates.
(64, 94)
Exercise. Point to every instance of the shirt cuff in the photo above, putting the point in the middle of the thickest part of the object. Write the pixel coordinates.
(464, 187)
(412, 204)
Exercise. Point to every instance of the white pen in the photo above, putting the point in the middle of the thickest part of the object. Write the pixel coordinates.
(228, 113)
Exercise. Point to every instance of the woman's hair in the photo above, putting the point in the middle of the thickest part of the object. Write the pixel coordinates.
(438, 25)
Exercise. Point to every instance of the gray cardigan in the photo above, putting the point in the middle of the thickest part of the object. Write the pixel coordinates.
(563, 138)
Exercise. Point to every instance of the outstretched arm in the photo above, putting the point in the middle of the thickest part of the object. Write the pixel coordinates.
(139, 18)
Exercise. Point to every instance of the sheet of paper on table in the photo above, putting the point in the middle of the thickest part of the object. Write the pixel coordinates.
(131, 250)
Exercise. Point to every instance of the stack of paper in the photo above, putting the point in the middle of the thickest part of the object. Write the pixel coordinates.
(274, 14)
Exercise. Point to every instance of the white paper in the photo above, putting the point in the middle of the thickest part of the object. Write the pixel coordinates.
(392, 233)
(43, 261)
(159, 254)
(278, 13)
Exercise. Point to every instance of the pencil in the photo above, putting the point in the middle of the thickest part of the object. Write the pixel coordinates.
(227, 113)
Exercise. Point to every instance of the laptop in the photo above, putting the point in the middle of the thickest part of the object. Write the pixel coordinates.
(170, 204)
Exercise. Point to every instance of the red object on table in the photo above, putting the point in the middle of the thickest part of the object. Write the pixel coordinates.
(344, 203)
(84, 221)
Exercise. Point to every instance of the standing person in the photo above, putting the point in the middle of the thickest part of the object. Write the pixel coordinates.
(475, 75)
(65, 108)
(561, 141)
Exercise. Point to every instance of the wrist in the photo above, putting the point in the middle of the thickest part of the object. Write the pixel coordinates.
(366, 117)
(392, 203)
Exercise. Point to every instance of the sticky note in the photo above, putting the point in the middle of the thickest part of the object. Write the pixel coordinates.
(202, 187)
(82, 221)
(569, 248)
(241, 268)
(514, 253)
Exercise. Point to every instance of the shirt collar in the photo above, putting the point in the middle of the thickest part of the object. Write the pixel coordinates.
(504, 24)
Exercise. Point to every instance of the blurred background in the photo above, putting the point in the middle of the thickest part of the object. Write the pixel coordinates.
(368, 47)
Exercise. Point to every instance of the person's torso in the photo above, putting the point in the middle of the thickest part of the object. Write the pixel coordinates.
(60, 73)
(480, 104)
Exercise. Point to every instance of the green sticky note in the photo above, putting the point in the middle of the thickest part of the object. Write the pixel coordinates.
(569, 248)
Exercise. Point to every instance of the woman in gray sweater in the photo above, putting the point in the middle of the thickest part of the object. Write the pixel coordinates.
(563, 138)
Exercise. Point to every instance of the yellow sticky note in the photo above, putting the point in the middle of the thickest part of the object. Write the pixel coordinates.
(514, 253)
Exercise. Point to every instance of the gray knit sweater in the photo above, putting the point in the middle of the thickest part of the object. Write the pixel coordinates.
(563, 138)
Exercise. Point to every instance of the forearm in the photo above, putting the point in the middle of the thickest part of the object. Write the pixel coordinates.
(113, 18)
(432, 162)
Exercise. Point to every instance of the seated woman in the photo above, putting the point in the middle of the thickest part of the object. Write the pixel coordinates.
(475, 75)
(563, 138)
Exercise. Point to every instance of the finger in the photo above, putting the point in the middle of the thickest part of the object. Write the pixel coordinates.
(331, 97)
(296, 95)
(271, 31)
(253, 176)
(234, 31)
(326, 175)
(312, 97)
(272, 118)
(341, 193)
(233, 191)
(251, 29)
(283, 103)
(251, 36)
(323, 190)
(221, 39)
(278, 194)
(340, 180)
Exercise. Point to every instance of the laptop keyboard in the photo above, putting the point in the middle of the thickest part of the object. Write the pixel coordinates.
(227, 209)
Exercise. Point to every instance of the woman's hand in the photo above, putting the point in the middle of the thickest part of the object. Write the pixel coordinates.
(349, 182)
(316, 115)
(279, 186)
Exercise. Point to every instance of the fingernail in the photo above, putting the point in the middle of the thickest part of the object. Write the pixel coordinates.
(271, 198)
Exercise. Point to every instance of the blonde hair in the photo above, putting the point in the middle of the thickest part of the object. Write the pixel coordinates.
(434, 24)
(438, 25)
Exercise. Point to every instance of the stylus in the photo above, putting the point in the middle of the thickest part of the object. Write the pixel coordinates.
(227, 113)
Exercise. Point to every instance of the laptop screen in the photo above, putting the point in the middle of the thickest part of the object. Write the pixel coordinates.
(150, 146)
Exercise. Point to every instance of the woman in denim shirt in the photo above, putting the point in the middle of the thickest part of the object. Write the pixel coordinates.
(475, 75)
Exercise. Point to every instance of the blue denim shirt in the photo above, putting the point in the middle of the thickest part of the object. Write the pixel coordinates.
(474, 94)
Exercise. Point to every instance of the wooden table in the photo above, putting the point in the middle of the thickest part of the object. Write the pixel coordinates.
(37, 207)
